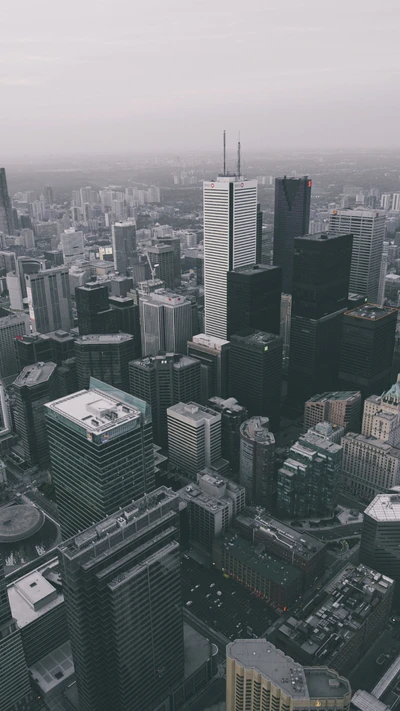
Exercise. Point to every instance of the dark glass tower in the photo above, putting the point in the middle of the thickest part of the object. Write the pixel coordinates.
(121, 581)
(126, 313)
(101, 449)
(259, 235)
(105, 357)
(94, 313)
(292, 217)
(232, 416)
(254, 298)
(321, 273)
(6, 214)
(367, 348)
(256, 373)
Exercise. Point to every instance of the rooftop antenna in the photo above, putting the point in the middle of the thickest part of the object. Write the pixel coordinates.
(224, 148)
(238, 158)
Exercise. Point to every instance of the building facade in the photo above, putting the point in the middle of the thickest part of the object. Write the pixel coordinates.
(194, 437)
(12, 326)
(232, 417)
(6, 215)
(213, 354)
(338, 407)
(254, 298)
(257, 461)
(166, 322)
(93, 310)
(105, 357)
(123, 238)
(370, 466)
(49, 298)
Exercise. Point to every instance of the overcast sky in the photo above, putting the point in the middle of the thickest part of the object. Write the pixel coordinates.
(99, 76)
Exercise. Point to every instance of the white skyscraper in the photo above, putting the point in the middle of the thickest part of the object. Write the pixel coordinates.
(396, 202)
(72, 245)
(368, 229)
(230, 227)
(386, 200)
(382, 275)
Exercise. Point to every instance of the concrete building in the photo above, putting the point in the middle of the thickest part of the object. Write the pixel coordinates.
(72, 245)
(49, 298)
(370, 466)
(12, 326)
(380, 539)
(90, 433)
(259, 677)
(232, 417)
(105, 357)
(286, 317)
(257, 461)
(123, 238)
(341, 622)
(162, 260)
(333, 433)
(339, 408)
(213, 354)
(381, 416)
(166, 322)
(194, 437)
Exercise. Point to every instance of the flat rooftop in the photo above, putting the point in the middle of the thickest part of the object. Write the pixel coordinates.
(106, 338)
(373, 442)
(193, 411)
(358, 212)
(228, 405)
(371, 312)
(278, 571)
(271, 528)
(179, 361)
(384, 507)
(35, 374)
(211, 342)
(336, 395)
(256, 337)
(255, 269)
(94, 410)
(320, 442)
(321, 237)
(54, 668)
(256, 428)
(36, 593)
(193, 493)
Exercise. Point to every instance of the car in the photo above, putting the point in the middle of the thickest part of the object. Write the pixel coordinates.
(212, 585)
(189, 602)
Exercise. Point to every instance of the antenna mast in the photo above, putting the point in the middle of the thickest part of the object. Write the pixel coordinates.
(224, 148)
(238, 158)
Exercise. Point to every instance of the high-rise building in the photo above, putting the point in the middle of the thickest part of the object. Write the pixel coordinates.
(257, 461)
(162, 381)
(213, 354)
(309, 480)
(382, 274)
(194, 437)
(6, 218)
(49, 298)
(15, 688)
(94, 312)
(286, 316)
(105, 357)
(126, 313)
(386, 201)
(43, 347)
(259, 234)
(232, 416)
(321, 268)
(121, 581)
(256, 373)
(72, 245)
(291, 219)
(48, 194)
(367, 347)
(101, 450)
(260, 676)
(396, 202)
(175, 243)
(12, 326)
(35, 386)
(254, 298)
(166, 322)
(230, 241)
(368, 229)
(339, 408)
(370, 466)
(124, 246)
(380, 537)
(162, 260)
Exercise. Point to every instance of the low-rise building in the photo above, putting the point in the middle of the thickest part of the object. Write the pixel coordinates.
(339, 408)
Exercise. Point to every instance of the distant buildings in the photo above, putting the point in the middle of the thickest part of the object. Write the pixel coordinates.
(49, 298)
(72, 245)
(6, 216)
(254, 298)
(166, 322)
(370, 466)
(12, 326)
(213, 354)
(162, 260)
(194, 437)
(291, 219)
(105, 357)
(260, 676)
(339, 408)
(124, 246)
(257, 461)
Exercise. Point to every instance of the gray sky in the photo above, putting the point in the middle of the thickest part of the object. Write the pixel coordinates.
(99, 76)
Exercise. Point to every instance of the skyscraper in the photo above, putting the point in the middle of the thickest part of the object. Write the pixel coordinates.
(232, 416)
(230, 241)
(101, 449)
(370, 466)
(166, 322)
(175, 243)
(6, 217)
(368, 230)
(291, 219)
(162, 381)
(254, 298)
(256, 373)
(194, 437)
(94, 313)
(104, 357)
(339, 408)
(11, 326)
(49, 298)
(368, 338)
(380, 538)
(257, 461)
(124, 246)
(162, 258)
(34, 387)
(72, 245)
(213, 354)
(126, 314)
(121, 580)
(321, 268)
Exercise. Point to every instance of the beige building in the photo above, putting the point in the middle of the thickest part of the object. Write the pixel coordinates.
(339, 408)
(259, 677)
(381, 419)
(370, 466)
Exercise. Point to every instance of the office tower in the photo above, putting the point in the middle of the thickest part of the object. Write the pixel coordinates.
(25, 266)
(386, 201)
(27, 238)
(368, 338)
(166, 322)
(194, 437)
(259, 234)
(11, 326)
(35, 386)
(49, 298)
(382, 274)
(123, 598)
(260, 676)
(380, 537)
(105, 357)
(126, 314)
(368, 230)
(94, 313)
(339, 408)
(161, 258)
(396, 202)
(101, 450)
(291, 219)
(6, 218)
(254, 298)
(48, 194)
(7, 261)
(321, 268)
(213, 354)
(15, 688)
(328, 430)
(370, 466)
(286, 317)
(53, 257)
(230, 241)
(124, 246)
(121, 285)
(175, 243)
(163, 381)
(32, 349)
(257, 461)
(72, 245)
(309, 480)
(232, 416)
(256, 373)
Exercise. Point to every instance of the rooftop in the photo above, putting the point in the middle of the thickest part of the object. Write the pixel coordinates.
(54, 668)
(279, 571)
(255, 268)
(321, 237)
(35, 374)
(229, 404)
(193, 411)
(36, 593)
(384, 507)
(165, 296)
(107, 338)
(211, 342)
(373, 442)
(252, 336)
(179, 361)
(364, 701)
(257, 428)
(371, 312)
(319, 440)
(300, 542)
(336, 395)
(193, 493)
(359, 212)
